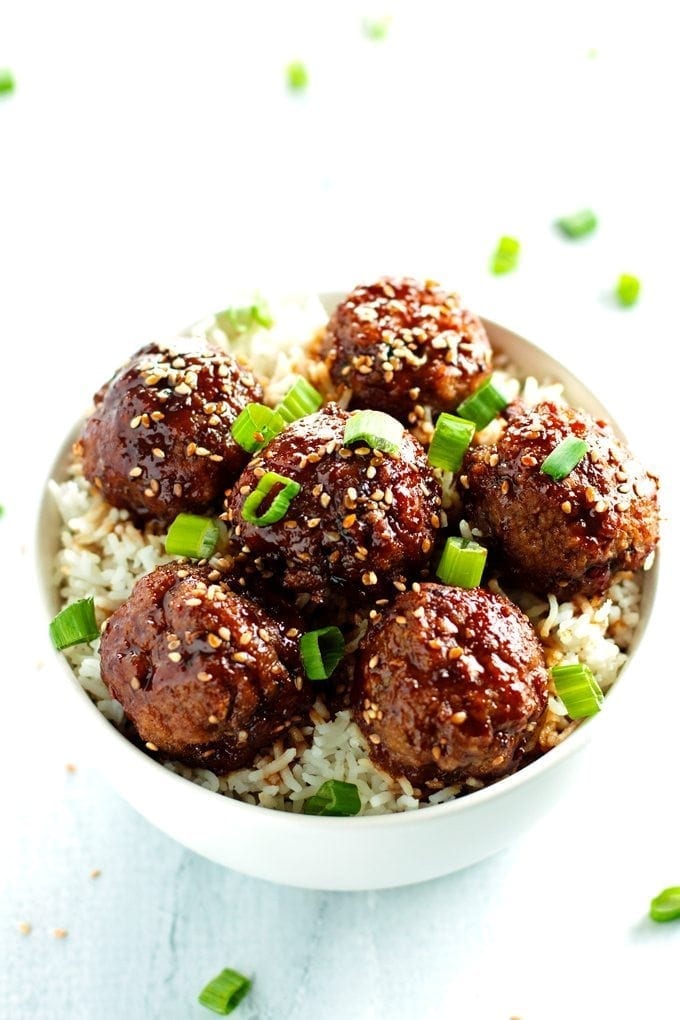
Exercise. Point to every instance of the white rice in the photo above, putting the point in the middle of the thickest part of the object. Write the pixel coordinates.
(102, 554)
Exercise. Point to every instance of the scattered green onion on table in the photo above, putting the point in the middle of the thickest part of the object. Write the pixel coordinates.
(482, 406)
(321, 651)
(666, 906)
(627, 290)
(462, 563)
(564, 458)
(578, 224)
(451, 438)
(223, 994)
(297, 76)
(334, 798)
(505, 259)
(579, 690)
(256, 426)
(278, 507)
(378, 430)
(192, 536)
(74, 625)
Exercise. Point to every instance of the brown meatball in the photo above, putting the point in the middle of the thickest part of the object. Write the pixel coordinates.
(568, 536)
(400, 346)
(158, 441)
(204, 674)
(361, 521)
(450, 684)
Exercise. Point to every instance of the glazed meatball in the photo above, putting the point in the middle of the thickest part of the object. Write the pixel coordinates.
(564, 536)
(401, 346)
(449, 685)
(362, 520)
(204, 674)
(158, 441)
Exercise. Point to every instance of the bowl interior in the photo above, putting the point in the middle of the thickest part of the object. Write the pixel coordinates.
(528, 360)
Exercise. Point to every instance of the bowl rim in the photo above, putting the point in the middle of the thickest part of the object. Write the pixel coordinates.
(181, 787)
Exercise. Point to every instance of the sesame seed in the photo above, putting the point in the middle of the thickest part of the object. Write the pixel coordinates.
(245, 639)
(177, 489)
(324, 499)
(415, 587)
(377, 496)
(436, 752)
(374, 738)
(493, 460)
(313, 522)
(434, 643)
(135, 684)
(426, 545)
(217, 457)
(240, 657)
(370, 577)
(157, 416)
(194, 602)
(455, 652)
(202, 452)
(182, 389)
(151, 746)
(590, 494)
(528, 460)
(459, 717)
(204, 677)
(158, 453)
(290, 525)
(401, 620)
(174, 656)
(373, 662)
(464, 481)
(213, 719)
(419, 613)
(600, 506)
(148, 493)
(566, 507)
(242, 736)
(292, 632)
(60, 933)
(399, 585)
(135, 472)
(214, 641)
(505, 487)
(224, 633)
(244, 490)
(349, 520)
(191, 449)
(25, 928)
(134, 422)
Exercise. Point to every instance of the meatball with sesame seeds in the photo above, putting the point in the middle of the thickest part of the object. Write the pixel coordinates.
(401, 346)
(450, 684)
(158, 441)
(204, 674)
(362, 520)
(563, 536)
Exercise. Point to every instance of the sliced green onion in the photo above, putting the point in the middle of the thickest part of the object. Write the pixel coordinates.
(451, 438)
(278, 507)
(482, 406)
(578, 224)
(376, 29)
(223, 994)
(193, 536)
(578, 689)
(627, 290)
(378, 430)
(235, 321)
(2, 510)
(300, 400)
(334, 798)
(321, 651)
(564, 458)
(74, 624)
(297, 76)
(462, 563)
(506, 256)
(6, 81)
(256, 426)
(666, 906)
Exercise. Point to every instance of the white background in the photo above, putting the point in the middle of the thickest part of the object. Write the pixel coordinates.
(152, 161)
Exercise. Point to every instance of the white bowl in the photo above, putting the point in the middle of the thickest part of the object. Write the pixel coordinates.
(335, 853)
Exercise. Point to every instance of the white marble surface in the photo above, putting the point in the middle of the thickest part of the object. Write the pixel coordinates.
(151, 160)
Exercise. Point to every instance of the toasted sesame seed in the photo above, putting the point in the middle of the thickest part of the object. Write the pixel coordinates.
(434, 643)
(401, 620)
(174, 656)
(377, 496)
(313, 522)
(213, 719)
(374, 738)
(419, 612)
(455, 652)
(349, 520)
(148, 492)
(60, 933)
(436, 752)
(528, 460)
(415, 587)
(242, 736)
(426, 545)
(157, 416)
(459, 717)
(151, 746)
(135, 472)
(370, 577)
(505, 486)
(134, 422)
(600, 506)
(566, 507)
(324, 499)
(590, 494)
(182, 389)
(493, 460)
(373, 662)
(194, 602)
(202, 452)
(290, 525)
(191, 449)
(135, 684)
(203, 676)
(158, 453)
(177, 489)
(464, 481)
(245, 639)
(240, 657)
